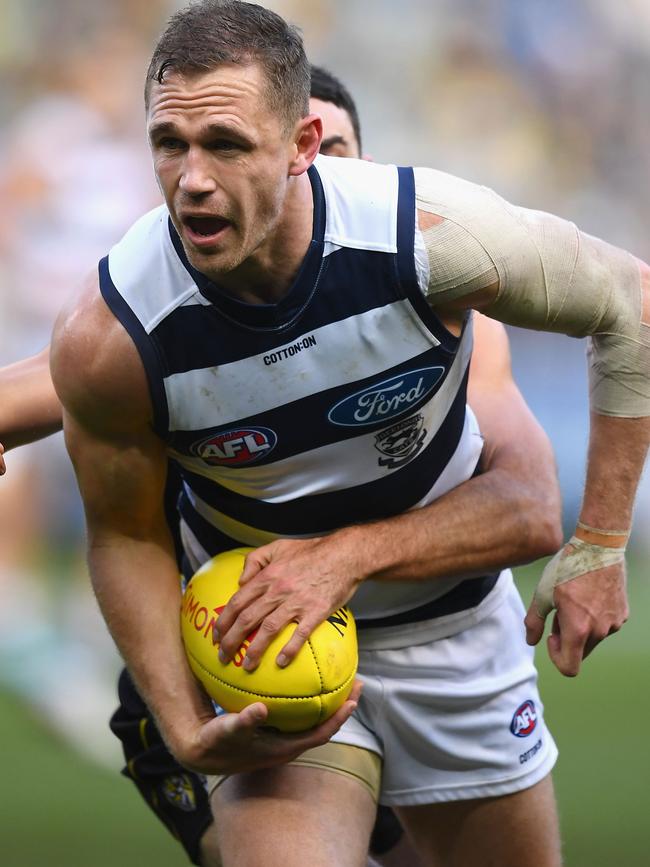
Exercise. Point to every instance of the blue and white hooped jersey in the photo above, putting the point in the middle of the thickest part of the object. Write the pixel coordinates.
(343, 403)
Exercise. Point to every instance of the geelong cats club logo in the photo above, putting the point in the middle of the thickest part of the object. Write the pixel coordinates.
(235, 448)
(401, 442)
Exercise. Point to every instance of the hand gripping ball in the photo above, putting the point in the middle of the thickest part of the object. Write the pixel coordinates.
(302, 695)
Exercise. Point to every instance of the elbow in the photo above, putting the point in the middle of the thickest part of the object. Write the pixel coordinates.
(543, 532)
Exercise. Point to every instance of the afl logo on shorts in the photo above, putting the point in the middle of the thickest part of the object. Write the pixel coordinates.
(524, 721)
(235, 448)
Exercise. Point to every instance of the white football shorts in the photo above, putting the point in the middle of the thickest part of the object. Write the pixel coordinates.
(451, 705)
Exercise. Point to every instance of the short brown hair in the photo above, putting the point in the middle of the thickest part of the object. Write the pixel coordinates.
(208, 33)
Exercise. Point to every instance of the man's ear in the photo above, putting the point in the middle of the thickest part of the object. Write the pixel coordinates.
(307, 137)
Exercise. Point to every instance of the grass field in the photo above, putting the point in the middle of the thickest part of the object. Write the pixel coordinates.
(58, 810)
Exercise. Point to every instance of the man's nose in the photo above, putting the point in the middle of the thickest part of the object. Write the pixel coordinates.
(197, 178)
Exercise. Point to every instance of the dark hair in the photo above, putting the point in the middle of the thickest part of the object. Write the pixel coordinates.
(328, 88)
(208, 33)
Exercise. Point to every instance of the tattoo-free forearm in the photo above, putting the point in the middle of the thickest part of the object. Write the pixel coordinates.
(617, 452)
(138, 589)
(29, 407)
(488, 523)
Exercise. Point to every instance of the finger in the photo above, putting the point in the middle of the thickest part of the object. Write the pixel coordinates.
(247, 626)
(300, 635)
(596, 636)
(566, 647)
(239, 602)
(271, 626)
(534, 624)
(254, 563)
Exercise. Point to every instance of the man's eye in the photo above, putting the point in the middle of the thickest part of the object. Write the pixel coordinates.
(170, 144)
(224, 145)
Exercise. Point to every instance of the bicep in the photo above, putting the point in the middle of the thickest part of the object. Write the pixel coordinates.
(121, 464)
(121, 479)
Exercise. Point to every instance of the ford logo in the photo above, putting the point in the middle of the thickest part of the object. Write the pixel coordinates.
(386, 399)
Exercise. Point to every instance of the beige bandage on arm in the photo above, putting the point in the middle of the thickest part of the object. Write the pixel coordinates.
(575, 559)
(551, 277)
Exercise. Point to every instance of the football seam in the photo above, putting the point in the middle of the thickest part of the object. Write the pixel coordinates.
(320, 673)
(264, 694)
(321, 709)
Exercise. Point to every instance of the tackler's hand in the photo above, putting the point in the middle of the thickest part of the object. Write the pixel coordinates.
(290, 580)
(585, 583)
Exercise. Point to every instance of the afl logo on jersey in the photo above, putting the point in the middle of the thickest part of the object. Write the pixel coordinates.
(235, 448)
(524, 721)
(387, 399)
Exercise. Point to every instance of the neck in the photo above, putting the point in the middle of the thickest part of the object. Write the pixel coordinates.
(267, 275)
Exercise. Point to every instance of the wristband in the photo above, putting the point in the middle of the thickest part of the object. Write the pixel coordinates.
(598, 532)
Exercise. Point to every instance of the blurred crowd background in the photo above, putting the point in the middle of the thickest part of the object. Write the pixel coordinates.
(546, 101)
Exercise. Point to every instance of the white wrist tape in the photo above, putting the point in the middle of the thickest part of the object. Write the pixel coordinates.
(551, 277)
(575, 559)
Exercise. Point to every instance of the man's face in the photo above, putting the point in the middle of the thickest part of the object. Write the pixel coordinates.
(221, 157)
(339, 139)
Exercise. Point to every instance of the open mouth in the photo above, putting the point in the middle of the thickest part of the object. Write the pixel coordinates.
(204, 230)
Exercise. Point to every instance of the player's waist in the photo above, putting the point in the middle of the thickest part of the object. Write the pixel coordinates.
(465, 604)
(468, 594)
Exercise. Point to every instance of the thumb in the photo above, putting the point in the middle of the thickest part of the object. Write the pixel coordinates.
(253, 715)
(534, 623)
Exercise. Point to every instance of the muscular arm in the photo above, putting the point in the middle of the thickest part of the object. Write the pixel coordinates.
(29, 407)
(121, 469)
(510, 514)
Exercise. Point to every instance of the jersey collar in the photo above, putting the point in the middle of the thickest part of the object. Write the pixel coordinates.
(271, 317)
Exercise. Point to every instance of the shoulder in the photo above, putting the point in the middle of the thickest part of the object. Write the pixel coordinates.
(95, 367)
(146, 240)
(360, 203)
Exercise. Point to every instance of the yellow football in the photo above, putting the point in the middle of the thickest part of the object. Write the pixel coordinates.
(302, 695)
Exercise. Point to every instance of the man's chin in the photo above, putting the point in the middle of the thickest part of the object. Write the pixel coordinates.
(213, 263)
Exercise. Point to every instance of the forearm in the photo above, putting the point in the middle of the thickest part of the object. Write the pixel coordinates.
(138, 589)
(491, 522)
(617, 451)
(29, 407)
